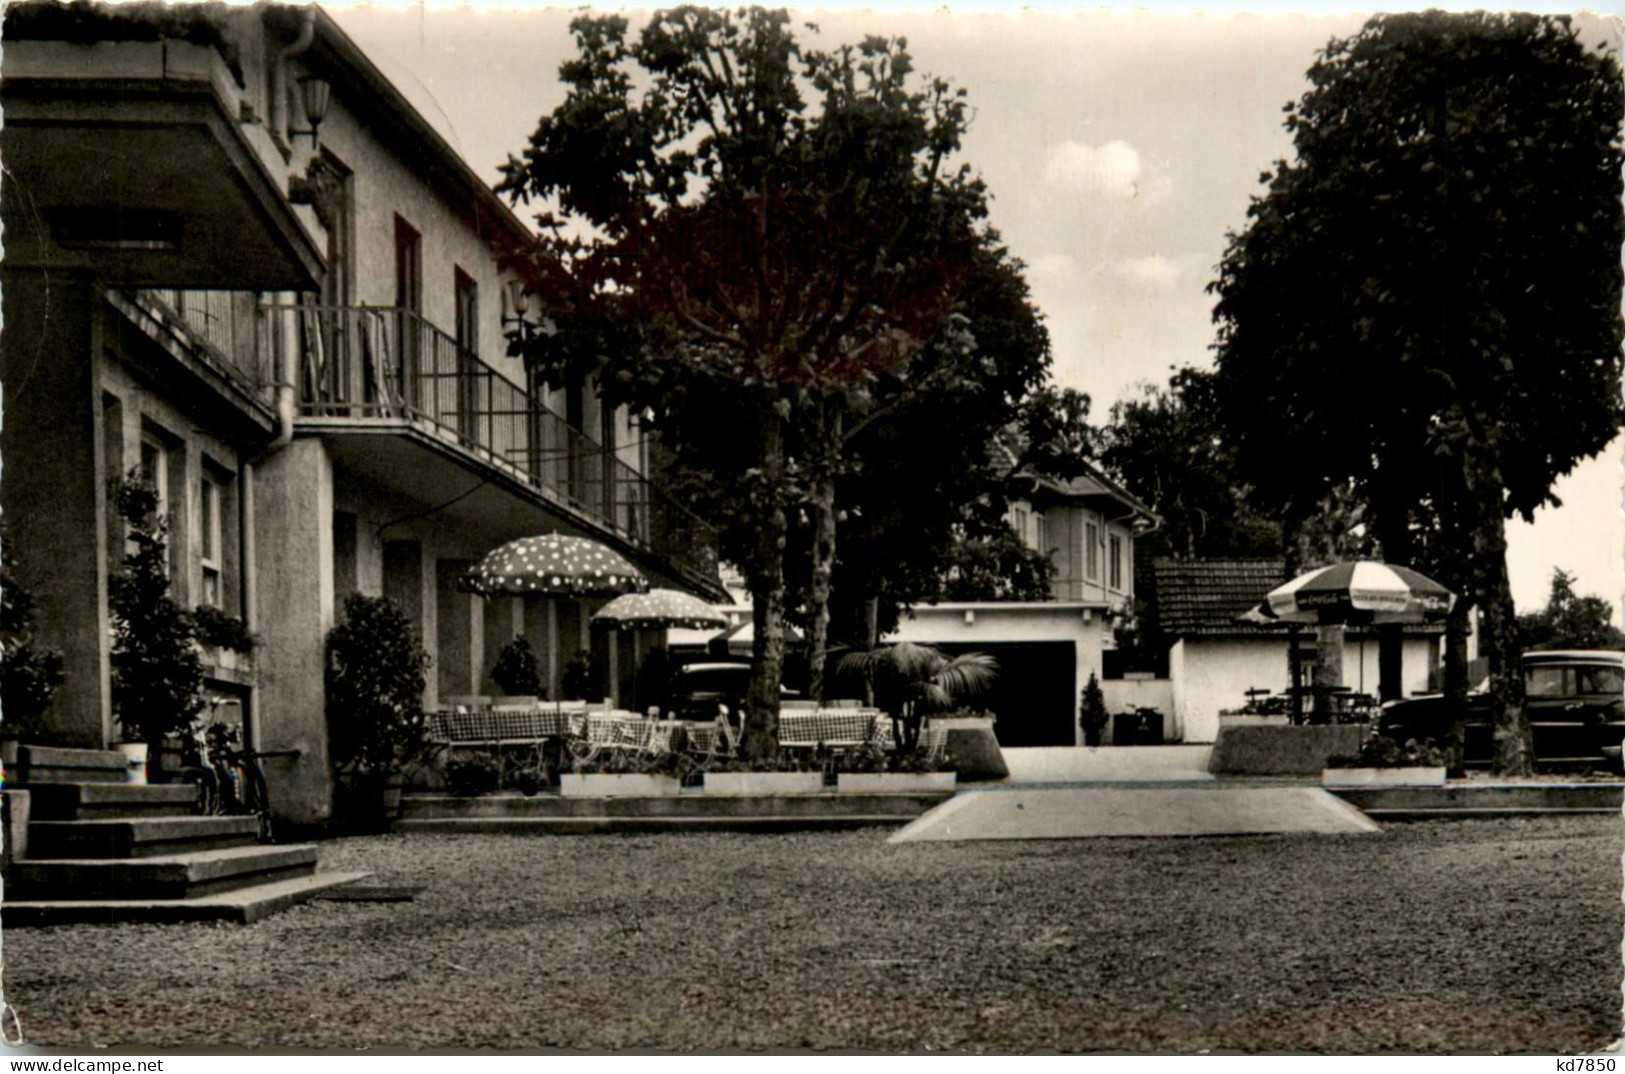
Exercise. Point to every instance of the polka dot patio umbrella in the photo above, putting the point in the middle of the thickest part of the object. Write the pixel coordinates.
(554, 565)
(657, 609)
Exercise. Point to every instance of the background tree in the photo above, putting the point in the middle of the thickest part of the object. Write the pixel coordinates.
(1165, 446)
(1570, 621)
(1425, 306)
(725, 256)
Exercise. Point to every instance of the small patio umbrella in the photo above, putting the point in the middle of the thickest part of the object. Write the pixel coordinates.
(1359, 592)
(554, 564)
(658, 608)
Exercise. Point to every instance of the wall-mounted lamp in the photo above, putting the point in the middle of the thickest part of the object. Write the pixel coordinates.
(314, 95)
(517, 305)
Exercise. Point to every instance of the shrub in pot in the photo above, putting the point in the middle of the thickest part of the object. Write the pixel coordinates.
(375, 682)
(1385, 761)
(1092, 715)
(29, 674)
(515, 670)
(157, 675)
(467, 777)
(219, 629)
(910, 682)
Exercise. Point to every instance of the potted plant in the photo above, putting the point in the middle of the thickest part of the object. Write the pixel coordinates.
(375, 683)
(911, 681)
(515, 671)
(576, 679)
(224, 637)
(1384, 762)
(29, 674)
(622, 775)
(1092, 716)
(471, 776)
(157, 675)
(872, 771)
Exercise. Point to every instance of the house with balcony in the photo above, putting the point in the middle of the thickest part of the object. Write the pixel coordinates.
(237, 258)
(1048, 649)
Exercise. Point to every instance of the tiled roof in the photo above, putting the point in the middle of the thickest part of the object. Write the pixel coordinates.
(1206, 596)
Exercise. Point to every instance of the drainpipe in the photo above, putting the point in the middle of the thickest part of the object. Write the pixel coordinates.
(287, 372)
(279, 76)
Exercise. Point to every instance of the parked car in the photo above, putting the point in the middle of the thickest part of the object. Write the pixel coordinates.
(695, 691)
(1575, 701)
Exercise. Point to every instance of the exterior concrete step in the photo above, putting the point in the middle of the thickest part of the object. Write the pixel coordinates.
(55, 764)
(175, 876)
(90, 801)
(138, 837)
(818, 808)
(243, 906)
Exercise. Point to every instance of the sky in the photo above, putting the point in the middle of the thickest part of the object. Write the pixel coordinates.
(1120, 149)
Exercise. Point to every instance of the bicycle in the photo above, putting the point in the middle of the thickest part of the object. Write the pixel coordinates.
(230, 780)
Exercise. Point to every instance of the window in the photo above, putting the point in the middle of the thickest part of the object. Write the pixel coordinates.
(1115, 561)
(1091, 553)
(209, 499)
(155, 470)
(1040, 533)
(1019, 523)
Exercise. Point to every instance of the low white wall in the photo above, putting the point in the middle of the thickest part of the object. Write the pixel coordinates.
(1214, 674)
(1123, 694)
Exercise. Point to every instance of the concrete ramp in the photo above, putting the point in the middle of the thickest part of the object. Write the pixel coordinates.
(1093, 812)
(1109, 764)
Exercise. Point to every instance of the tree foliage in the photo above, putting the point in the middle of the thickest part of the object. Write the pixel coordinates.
(1166, 445)
(1570, 621)
(726, 257)
(375, 680)
(1424, 308)
(29, 673)
(157, 681)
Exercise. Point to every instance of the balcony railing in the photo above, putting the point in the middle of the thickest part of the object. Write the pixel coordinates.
(381, 362)
(220, 322)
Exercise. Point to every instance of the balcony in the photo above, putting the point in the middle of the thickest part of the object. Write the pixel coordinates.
(385, 364)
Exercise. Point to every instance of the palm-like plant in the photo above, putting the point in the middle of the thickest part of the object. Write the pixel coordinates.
(912, 681)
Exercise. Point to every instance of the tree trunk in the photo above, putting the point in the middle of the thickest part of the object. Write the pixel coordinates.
(1397, 547)
(1514, 751)
(871, 637)
(818, 591)
(1328, 667)
(1455, 676)
(767, 595)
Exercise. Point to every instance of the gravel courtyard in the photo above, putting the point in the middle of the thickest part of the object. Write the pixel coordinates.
(1482, 935)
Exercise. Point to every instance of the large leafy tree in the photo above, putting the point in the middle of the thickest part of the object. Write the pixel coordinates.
(1570, 621)
(728, 256)
(1425, 305)
(1165, 445)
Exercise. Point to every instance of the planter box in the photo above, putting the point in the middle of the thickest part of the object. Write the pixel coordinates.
(619, 785)
(1345, 778)
(893, 782)
(1282, 751)
(764, 782)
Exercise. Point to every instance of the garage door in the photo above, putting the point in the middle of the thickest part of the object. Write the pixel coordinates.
(1035, 696)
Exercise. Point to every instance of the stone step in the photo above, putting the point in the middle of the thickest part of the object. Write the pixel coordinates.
(56, 764)
(137, 837)
(242, 906)
(175, 876)
(90, 801)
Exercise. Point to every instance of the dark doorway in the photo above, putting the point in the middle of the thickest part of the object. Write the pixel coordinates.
(1036, 693)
